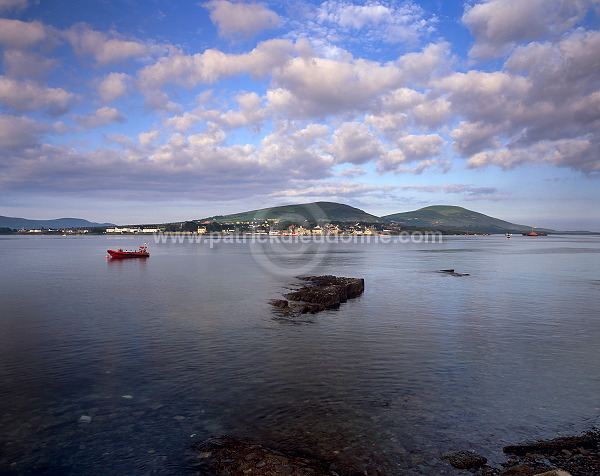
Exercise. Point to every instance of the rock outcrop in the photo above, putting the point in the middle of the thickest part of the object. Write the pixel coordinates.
(322, 292)
(588, 441)
(568, 456)
(451, 272)
(466, 460)
(237, 457)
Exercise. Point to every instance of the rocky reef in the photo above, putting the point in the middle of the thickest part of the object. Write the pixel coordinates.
(230, 456)
(321, 292)
(451, 272)
(568, 456)
(237, 457)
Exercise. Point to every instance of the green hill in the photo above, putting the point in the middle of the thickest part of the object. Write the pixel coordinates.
(317, 211)
(18, 223)
(456, 218)
(438, 216)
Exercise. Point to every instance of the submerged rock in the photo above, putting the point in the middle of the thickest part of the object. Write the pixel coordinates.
(328, 292)
(466, 460)
(557, 444)
(451, 272)
(281, 303)
(322, 292)
(567, 456)
(237, 457)
(554, 472)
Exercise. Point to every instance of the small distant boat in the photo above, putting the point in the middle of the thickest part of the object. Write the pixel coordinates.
(508, 235)
(142, 252)
(533, 233)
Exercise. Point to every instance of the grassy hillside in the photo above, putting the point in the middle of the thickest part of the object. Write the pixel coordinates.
(18, 223)
(434, 217)
(317, 211)
(458, 218)
(438, 217)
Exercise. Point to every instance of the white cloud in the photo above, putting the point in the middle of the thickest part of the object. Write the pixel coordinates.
(241, 20)
(468, 190)
(401, 99)
(103, 47)
(324, 116)
(148, 138)
(354, 143)
(208, 138)
(568, 65)
(250, 114)
(7, 5)
(396, 161)
(113, 86)
(472, 137)
(580, 154)
(563, 98)
(414, 148)
(504, 158)
(499, 25)
(184, 122)
(421, 66)
(485, 96)
(123, 140)
(432, 113)
(377, 20)
(17, 34)
(390, 126)
(354, 16)
(352, 172)
(549, 94)
(332, 189)
(18, 133)
(26, 64)
(317, 86)
(101, 117)
(419, 147)
(23, 96)
(211, 65)
(302, 85)
(295, 152)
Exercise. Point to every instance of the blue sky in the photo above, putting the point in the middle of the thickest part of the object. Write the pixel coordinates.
(155, 111)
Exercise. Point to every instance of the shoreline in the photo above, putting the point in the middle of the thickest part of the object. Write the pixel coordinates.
(231, 456)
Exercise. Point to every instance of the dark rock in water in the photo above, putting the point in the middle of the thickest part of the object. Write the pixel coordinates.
(281, 303)
(327, 292)
(237, 457)
(520, 470)
(304, 308)
(570, 456)
(322, 292)
(354, 286)
(466, 460)
(451, 272)
(551, 446)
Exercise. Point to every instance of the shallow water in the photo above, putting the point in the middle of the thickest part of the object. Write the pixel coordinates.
(166, 351)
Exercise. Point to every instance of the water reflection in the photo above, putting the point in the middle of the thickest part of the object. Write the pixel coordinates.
(420, 364)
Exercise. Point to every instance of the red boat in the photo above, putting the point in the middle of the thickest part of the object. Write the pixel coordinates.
(533, 233)
(142, 252)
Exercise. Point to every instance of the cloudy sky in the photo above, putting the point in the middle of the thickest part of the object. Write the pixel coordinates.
(136, 111)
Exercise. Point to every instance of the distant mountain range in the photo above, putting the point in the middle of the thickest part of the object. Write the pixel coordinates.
(18, 223)
(444, 216)
(317, 211)
(439, 217)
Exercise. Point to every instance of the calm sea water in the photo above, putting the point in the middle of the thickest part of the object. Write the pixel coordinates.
(163, 352)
